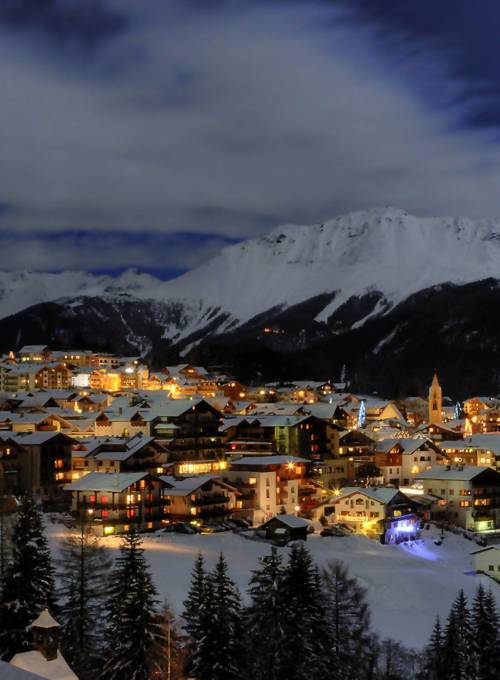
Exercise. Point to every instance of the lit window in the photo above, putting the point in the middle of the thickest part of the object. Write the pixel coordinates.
(252, 480)
(104, 499)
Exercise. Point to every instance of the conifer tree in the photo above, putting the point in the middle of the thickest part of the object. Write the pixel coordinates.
(433, 668)
(134, 634)
(193, 608)
(28, 585)
(83, 572)
(263, 619)
(305, 629)
(171, 652)
(349, 622)
(218, 654)
(458, 662)
(485, 635)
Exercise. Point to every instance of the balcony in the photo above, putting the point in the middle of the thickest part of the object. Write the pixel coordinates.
(211, 500)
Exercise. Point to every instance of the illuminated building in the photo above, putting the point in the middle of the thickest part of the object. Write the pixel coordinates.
(467, 495)
(380, 512)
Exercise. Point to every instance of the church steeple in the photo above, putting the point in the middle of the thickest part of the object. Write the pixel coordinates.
(435, 401)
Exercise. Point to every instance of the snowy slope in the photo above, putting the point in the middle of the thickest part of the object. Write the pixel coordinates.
(386, 250)
(406, 586)
(383, 250)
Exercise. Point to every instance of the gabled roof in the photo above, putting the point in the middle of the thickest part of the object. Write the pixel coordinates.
(35, 662)
(383, 494)
(269, 460)
(462, 473)
(188, 485)
(9, 672)
(495, 546)
(36, 438)
(106, 481)
(32, 349)
(45, 620)
(291, 521)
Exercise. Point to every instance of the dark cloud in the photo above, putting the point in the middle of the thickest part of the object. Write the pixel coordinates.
(222, 119)
(106, 251)
(85, 23)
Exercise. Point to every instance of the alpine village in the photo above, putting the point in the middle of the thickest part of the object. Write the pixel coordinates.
(283, 500)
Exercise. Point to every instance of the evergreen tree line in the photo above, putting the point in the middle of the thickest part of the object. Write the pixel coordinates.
(304, 623)
(468, 647)
(112, 623)
(298, 621)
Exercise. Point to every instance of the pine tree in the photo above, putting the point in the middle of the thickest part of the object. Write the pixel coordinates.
(349, 622)
(193, 608)
(263, 619)
(433, 668)
(28, 585)
(305, 629)
(134, 634)
(485, 635)
(83, 572)
(396, 662)
(171, 652)
(218, 655)
(458, 662)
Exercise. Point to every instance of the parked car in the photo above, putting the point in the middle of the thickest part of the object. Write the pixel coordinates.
(332, 531)
(181, 528)
(241, 523)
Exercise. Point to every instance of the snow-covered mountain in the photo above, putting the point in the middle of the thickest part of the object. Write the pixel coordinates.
(387, 251)
(359, 288)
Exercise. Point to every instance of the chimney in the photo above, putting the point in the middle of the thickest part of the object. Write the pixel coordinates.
(45, 631)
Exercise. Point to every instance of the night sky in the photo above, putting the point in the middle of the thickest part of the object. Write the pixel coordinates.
(151, 133)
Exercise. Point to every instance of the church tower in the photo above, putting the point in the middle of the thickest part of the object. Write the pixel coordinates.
(435, 401)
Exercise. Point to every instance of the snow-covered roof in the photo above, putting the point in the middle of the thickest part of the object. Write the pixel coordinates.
(36, 663)
(495, 546)
(291, 521)
(105, 481)
(409, 445)
(32, 348)
(269, 460)
(461, 473)
(488, 442)
(9, 672)
(187, 485)
(383, 494)
(45, 620)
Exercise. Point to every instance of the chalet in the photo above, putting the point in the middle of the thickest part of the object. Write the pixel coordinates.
(44, 466)
(356, 444)
(380, 512)
(117, 454)
(10, 451)
(200, 498)
(268, 483)
(34, 353)
(293, 435)
(468, 496)
(477, 405)
(190, 429)
(113, 502)
(474, 450)
(440, 431)
(487, 561)
(285, 528)
(401, 460)
(54, 376)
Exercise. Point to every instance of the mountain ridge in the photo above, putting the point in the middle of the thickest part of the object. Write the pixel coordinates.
(284, 292)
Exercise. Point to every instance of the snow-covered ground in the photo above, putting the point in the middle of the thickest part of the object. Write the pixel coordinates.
(407, 586)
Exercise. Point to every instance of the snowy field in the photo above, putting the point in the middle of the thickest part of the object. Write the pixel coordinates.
(407, 586)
